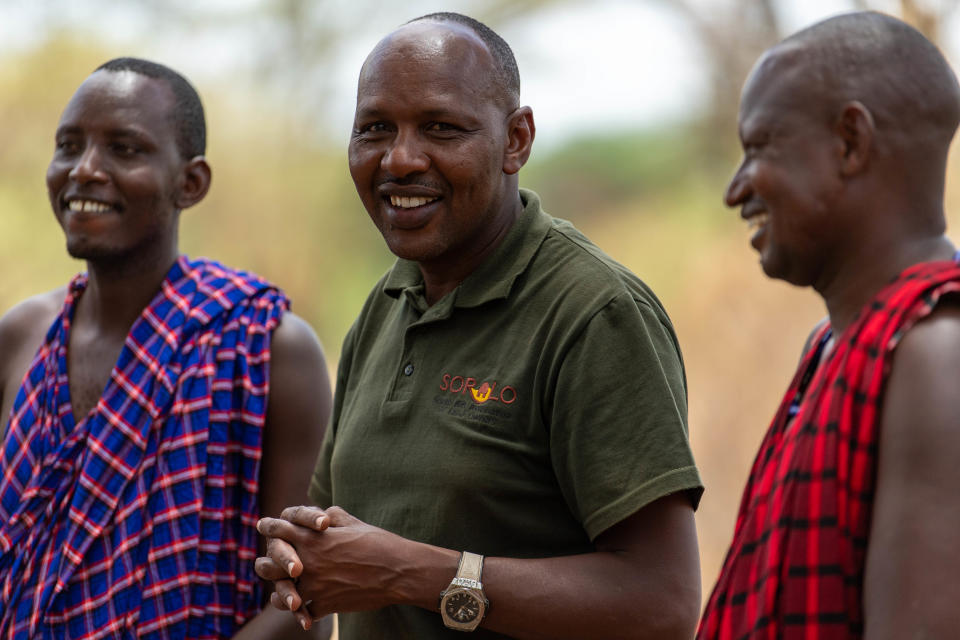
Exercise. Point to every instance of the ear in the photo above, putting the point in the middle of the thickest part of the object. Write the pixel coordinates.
(855, 129)
(521, 131)
(196, 182)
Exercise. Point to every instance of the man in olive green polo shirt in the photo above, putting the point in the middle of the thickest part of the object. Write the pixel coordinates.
(509, 425)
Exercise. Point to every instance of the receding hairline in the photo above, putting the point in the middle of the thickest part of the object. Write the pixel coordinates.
(880, 61)
(506, 62)
(456, 48)
(504, 74)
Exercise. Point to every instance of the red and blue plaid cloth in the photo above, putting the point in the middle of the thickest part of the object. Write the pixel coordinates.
(795, 567)
(139, 520)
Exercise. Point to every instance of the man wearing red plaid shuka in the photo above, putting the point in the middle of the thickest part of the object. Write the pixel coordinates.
(848, 524)
(170, 404)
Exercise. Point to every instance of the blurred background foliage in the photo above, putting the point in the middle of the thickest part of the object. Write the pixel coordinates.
(283, 205)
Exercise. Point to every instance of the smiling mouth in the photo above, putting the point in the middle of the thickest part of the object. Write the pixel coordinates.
(88, 206)
(758, 220)
(410, 202)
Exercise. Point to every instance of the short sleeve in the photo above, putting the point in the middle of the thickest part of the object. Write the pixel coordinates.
(618, 428)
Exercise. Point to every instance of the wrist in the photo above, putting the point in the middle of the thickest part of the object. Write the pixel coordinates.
(463, 604)
(423, 572)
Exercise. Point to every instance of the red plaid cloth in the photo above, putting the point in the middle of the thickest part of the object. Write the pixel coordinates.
(795, 567)
(137, 521)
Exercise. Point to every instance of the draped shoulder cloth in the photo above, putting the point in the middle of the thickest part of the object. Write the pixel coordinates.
(796, 564)
(139, 519)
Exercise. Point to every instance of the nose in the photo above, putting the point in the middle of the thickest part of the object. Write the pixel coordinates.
(739, 188)
(89, 167)
(405, 155)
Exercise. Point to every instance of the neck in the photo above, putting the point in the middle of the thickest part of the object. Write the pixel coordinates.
(117, 292)
(863, 273)
(443, 275)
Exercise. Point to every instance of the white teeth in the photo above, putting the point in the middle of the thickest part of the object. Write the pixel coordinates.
(758, 220)
(405, 202)
(88, 206)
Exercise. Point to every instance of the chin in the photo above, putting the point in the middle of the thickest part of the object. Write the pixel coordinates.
(769, 272)
(414, 251)
(81, 251)
(783, 273)
(775, 269)
(93, 253)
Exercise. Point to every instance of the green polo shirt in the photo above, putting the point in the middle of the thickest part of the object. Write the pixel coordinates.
(539, 403)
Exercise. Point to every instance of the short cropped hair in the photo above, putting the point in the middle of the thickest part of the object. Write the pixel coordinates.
(885, 63)
(188, 118)
(507, 71)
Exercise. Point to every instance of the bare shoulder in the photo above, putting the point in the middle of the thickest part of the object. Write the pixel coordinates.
(293, 335)
(23, 328)
(23, 318)
(297, 365)
(921, 391)
(927, 357)
(940, 329)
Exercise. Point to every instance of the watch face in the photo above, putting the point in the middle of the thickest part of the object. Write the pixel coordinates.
(462, 607)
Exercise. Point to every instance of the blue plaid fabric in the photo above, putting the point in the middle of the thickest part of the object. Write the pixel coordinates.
(138, 521)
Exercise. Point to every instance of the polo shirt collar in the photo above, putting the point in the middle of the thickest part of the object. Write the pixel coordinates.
(494, 278)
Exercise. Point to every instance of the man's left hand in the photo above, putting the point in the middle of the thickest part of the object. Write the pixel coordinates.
(323, 561)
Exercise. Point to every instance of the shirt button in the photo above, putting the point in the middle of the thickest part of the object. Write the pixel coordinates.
(408, 370)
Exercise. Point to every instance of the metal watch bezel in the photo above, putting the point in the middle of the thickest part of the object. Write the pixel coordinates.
(472, 588)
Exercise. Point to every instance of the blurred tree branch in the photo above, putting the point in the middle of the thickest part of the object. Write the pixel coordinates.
(733, 34)
(293, 43)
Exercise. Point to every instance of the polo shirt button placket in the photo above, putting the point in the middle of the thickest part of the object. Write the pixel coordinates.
(408, 370)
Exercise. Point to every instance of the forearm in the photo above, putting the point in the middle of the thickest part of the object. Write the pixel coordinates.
(594, 595)
(643, 580)
(272, 624)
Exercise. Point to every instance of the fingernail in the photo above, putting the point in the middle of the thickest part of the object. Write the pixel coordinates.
(290, 602)
(303, 623)
(319, 522)
(259, 522)
(290, 567)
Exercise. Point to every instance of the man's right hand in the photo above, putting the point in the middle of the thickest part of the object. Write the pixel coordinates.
(282, 565)
(344, 564)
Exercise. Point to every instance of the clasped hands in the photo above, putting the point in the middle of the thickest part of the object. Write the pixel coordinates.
(323, 561)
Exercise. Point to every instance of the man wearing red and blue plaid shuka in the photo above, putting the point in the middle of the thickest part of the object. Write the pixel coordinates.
(171, 403)
(848, 524)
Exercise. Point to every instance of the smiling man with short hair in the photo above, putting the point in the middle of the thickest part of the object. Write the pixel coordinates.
(848, 524)
(508, 453)
(171, 401)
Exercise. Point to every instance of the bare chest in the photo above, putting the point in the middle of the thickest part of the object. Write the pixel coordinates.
(90, 361)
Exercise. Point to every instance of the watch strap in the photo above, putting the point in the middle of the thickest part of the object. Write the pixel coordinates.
(464, 587)
(469, 571)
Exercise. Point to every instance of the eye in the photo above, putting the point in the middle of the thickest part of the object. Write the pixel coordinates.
(441, 127)
(372, 127)
(67, 146)
(125, 149)
(754, 141)
(751, 148)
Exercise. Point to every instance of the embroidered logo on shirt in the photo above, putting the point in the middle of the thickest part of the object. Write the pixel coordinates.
(483, 394)
(486, 402)
(487, 391)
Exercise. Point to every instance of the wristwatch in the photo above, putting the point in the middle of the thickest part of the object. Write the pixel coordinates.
(463, 604)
